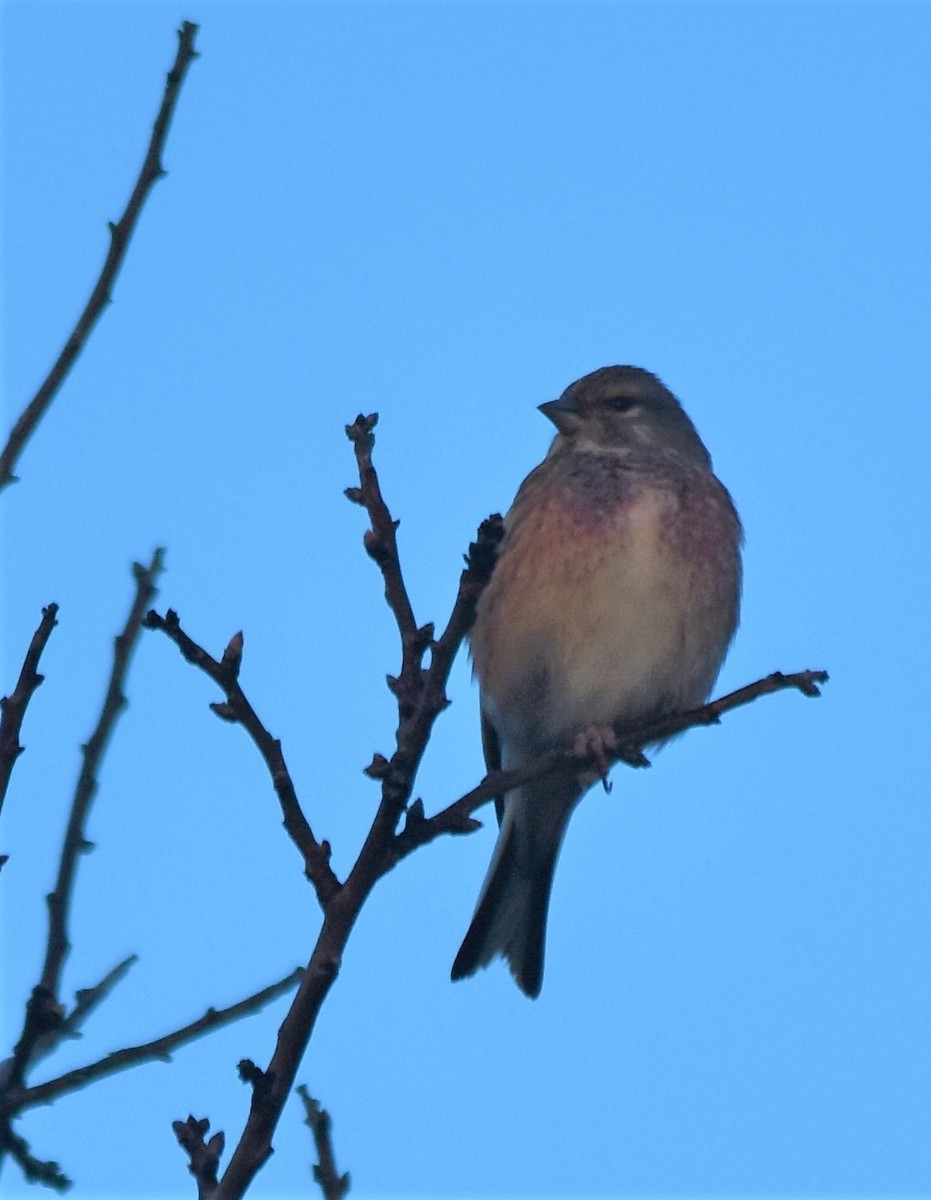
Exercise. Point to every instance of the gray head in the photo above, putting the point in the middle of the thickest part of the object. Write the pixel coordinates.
(625, 408)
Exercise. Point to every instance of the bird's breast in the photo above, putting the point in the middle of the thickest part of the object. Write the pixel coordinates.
(614, 599)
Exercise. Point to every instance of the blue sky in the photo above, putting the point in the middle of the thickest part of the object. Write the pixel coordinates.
(445, 213)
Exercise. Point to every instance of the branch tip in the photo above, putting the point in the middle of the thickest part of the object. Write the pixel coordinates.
(120, 237)
(333, 1185)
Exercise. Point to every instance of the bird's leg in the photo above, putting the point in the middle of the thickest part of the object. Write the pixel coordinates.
(597, 743)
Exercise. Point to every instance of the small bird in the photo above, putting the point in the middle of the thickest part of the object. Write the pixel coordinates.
(614, 599)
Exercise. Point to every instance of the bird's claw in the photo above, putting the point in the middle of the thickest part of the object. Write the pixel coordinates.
(596, 744)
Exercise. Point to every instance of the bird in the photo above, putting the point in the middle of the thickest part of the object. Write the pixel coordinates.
(613, 601)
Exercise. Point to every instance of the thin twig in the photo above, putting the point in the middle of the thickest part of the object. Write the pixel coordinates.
(342, 907)
(45, 1022)
(58, 1026)
(237, 709)
(421, 694)
(34, 1169)
(160, 1049)
(333, 1185)
(86, 1001)
(457, 817)
(75, 843)
(120, 235)
(203, 1155)
(380, 541)
(419, 709)
(14, 706)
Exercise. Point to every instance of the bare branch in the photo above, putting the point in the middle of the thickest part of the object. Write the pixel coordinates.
(421, 697)
(333, 1185)
(237, 709)
(272, 1087)
(457, 817)
(204, 1155)
(120, 235)
(33, 1169)
(420, 700)
(381, 544)
(160, 1049)
(397, 774)
(75, 842)
(375, 858)
(86, 1001)
(14, 706)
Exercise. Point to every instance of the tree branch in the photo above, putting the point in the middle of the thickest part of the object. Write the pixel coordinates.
(203, 1156)
(381, 545)
(75, 843)
(63, 1027)
(34, 1169)
(14, 706)
(457, 817)
(160, 1049)
(421, 696)
(120, 235)
(333, 1185)
(421, 702)
(238, 710)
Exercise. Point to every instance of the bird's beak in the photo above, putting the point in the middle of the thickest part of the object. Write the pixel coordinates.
(563, 413)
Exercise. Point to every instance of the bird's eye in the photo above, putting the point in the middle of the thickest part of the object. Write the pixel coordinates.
(623, 403)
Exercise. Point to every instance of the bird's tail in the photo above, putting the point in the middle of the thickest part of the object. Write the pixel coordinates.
(510, 918)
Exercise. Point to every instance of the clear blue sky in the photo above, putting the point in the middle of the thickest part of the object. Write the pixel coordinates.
(445, 213)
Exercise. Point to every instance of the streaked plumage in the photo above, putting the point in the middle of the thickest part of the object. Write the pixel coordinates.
(614, 600)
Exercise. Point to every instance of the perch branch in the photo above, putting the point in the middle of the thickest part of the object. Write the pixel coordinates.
(120, 235)
(237, 709)
(14, 706)
(457, 817)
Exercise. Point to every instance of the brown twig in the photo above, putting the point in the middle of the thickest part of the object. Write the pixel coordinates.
(75, 843)
(34, 1169)
(237, 709)
(120, 235)
(45, 1022)
(160, 1049)
(268, 1100)
(420, 702)
(203, 1156)
(14, 706)
(381, 544)
(65, 1026)
(333, 1185)
(421, 694)
(457, 817)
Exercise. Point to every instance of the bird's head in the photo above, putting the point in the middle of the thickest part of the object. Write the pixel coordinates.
(625, 408)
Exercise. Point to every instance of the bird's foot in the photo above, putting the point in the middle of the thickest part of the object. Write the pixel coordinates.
(598, 744)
